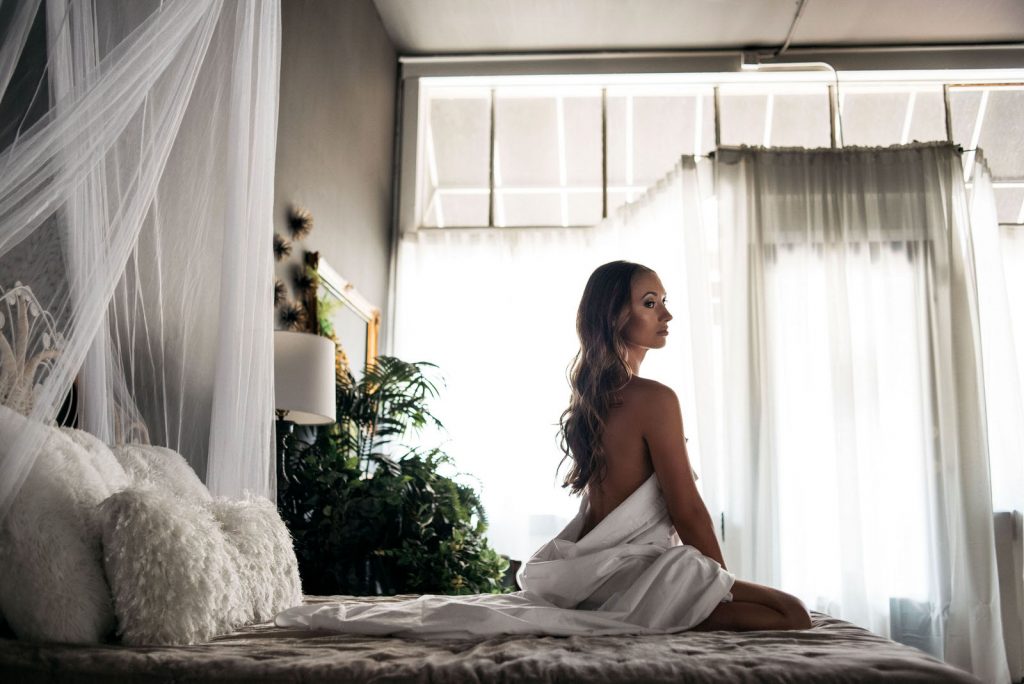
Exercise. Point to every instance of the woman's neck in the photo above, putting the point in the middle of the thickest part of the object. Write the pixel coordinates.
(634, 357)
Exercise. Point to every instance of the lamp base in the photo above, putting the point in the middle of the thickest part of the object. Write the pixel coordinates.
(283, 430)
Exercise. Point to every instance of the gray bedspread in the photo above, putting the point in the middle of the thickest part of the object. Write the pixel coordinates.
(832, 651)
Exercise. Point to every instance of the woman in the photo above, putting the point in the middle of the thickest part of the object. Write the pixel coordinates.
(620, 429)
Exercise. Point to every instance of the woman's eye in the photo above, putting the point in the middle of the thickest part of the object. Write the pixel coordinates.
(649, 305)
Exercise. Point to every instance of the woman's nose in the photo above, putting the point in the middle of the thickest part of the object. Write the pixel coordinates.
(666, 316)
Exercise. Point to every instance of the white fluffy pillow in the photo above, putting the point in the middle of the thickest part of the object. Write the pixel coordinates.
(52, 586)
(182, 571)
(266, 561)
(162, 468)
(172, 573)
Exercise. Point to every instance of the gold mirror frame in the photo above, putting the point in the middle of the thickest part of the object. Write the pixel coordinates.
(346, 292)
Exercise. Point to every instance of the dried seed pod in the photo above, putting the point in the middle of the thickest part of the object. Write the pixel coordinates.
(278, 291)
(300, 222)
(305, 280)
(282, 246)
(293, 316)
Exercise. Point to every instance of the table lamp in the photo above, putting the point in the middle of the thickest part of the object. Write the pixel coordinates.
(303, 378)
(304, 384)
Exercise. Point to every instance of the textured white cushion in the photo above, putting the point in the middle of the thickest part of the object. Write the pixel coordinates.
(183, 571)
(161, 468)
(52, 586)
(267, 567)
(173, 576)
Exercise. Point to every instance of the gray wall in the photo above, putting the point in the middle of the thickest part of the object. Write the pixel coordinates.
(335, 138)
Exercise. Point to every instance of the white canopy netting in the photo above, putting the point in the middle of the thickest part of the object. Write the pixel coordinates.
(136, 187)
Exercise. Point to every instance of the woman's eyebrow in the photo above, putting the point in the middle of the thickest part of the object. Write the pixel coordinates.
(650, 292)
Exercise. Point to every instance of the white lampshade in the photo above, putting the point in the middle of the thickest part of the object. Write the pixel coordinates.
(304, 377)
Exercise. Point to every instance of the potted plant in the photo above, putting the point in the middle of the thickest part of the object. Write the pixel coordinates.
(371, 516)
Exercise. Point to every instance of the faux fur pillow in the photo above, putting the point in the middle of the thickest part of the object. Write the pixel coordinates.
(52, 586)
(182, 571)
(173, 576)
(161, 468)
(266, 563)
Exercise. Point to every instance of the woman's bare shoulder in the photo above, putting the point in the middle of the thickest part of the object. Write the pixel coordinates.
(646, 391)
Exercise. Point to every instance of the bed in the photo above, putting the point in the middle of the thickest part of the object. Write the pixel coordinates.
(832, 651)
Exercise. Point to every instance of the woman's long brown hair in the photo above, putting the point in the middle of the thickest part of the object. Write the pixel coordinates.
(598, 371)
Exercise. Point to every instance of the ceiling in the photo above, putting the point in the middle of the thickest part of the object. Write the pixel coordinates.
(426, 27)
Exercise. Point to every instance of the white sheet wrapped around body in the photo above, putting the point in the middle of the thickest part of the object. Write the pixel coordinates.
(629, 575)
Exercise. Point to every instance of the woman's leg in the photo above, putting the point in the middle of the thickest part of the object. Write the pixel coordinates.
(755, 606)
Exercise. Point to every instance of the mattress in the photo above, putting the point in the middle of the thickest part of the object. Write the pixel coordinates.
(832, 651)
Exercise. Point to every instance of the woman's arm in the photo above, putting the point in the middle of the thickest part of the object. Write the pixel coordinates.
(663, 432)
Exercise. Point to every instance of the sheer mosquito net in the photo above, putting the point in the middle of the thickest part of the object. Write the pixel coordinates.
(136, 186)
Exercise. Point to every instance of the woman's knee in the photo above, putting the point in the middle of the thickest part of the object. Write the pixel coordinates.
(795, 611)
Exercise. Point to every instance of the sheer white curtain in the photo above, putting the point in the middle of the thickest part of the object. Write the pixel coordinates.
(999, 254)
(496, 310)
(854, 410)
(137, 212)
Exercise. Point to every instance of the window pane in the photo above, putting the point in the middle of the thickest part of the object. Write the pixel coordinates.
(891, 116)
(1002, 133)
(526, 133)
(461, 140)
(550, 142)
(528, 209)
(963, 113)
(583, 140)
(990, 117)
(784, 116)
(584, 208)
(456, 151)
(801, 120)
(648, 131)
(457, 210)
(742, 118)
(1009, 202)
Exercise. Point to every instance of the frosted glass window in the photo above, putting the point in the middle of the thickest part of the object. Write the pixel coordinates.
(585, 207)
(456, 177)
(801, 120)
(990, 119)
(1009, 204)
(550, 155)
(529, 209)
(526, 134)
(649, 131)
(458, 210)
(583, 142)
(1002, 133)
(779, 117)
(551, 143)
(876, 116)
(742, 118)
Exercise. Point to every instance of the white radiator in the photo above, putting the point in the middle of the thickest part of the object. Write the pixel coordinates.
(1009, 532)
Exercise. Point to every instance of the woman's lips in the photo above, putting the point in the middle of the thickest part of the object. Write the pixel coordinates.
(663, 332)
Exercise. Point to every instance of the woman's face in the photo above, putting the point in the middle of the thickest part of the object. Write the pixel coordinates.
(647, 326)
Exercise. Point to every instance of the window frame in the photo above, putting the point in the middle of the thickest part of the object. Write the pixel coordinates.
(957, 65)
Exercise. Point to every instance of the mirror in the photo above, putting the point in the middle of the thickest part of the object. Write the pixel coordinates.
(355, 322)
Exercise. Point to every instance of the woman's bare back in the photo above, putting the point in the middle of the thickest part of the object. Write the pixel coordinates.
(627, 456)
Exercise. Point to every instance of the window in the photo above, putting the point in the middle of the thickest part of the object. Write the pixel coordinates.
(513, 152)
